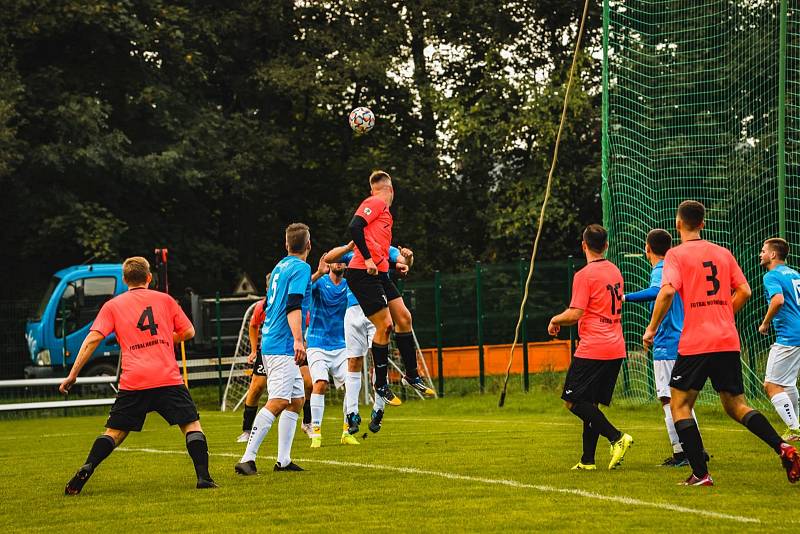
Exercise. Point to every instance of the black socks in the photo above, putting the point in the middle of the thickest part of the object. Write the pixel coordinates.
(101, 448)
(408, 352)
(758, 425)
(197, 446)
(692, 444)
(307, 412)
(248, 417)
(589, 413)
(590, 436)
(380, 355)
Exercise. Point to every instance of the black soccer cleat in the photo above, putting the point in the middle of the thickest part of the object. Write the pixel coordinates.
(291, 467)
(76, 483)
(206, 483)
(375, 421)
(353, 420)
(246, 468)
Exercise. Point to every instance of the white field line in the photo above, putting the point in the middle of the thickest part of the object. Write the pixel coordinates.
(629, 501)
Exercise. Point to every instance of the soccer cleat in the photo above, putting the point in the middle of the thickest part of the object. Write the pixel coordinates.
(618, 450)
(353, 420)
(316, 442)
(76, 483)
(694, 481)
(206, 483)
(243, 437)
(375, 421)
(388, 397)
(349, 439)
(308, 429)
(678, 459)
(791, 435)
(791, 462)
(290, 467)
(418, 384)
(246, 468)
(580, 466)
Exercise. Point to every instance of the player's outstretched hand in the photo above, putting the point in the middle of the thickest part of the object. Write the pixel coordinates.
(299, 352)
(251, 357)
(406, 252)
(763, 328)
(553, 329)
(402, 269)
(323, 267)
(372, 269)
(647, 338)
(66, 384)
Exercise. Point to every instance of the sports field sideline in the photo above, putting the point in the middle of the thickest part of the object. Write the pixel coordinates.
(460, 462)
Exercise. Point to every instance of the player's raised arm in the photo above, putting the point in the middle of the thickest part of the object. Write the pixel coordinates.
(664, 300)
(336, 253)
(322, 269)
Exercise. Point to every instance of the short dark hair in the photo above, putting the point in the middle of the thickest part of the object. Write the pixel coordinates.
(779, 245)
(297, 237)
(659, 240)
(595, 237)
(379, 176)
(692, 213)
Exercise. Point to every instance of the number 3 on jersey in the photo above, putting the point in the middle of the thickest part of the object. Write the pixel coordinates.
(147, 321)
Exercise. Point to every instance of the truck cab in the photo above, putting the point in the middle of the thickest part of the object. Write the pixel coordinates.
(70, 304)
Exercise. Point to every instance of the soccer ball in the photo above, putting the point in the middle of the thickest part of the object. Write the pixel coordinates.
(362, 120)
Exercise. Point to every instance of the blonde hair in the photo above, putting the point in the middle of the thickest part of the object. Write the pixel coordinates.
(379, 176)
(135, 271)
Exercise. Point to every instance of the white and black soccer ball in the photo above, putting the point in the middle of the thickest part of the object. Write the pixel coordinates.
(362, 120)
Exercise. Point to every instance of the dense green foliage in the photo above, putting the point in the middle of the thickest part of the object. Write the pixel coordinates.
(206, 127)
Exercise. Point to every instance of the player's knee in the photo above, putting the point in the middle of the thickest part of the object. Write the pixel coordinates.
(354, 365)
(276, 406)
(320, 387)
(117, 435)
(403, 321)
(297, 404)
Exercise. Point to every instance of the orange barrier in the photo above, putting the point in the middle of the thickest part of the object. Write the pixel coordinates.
(463, 361)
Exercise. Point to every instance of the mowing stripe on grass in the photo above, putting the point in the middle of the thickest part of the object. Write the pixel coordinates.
(493, 481)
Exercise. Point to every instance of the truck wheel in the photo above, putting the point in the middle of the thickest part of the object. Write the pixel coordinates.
(100, 390)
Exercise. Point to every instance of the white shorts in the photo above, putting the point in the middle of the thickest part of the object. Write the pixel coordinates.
(284, 380)
(783, 364)
(321, 363)
(662, 369)
(358, 332)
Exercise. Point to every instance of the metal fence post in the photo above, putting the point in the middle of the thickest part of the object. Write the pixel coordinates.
(570, 274)
(437, 293)
(524, 329)
(219, 347)
(478, 284)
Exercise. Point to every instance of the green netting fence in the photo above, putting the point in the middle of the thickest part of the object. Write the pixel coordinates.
(701, 101)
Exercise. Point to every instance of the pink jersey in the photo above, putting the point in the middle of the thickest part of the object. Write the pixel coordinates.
(705, 275)
(597, 289)
(377, 234)
(258, 314)
(144, 321)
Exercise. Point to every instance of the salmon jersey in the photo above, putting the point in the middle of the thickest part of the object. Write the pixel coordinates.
(377, 234)
(144, 321)
(597, 289)
(705, 275)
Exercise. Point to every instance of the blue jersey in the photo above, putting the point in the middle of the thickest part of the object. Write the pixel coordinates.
(665, 344)
(394, 255)
(292, 276)
(328, 304)
(783, 279)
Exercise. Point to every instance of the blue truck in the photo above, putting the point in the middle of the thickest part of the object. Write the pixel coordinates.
(76, 294)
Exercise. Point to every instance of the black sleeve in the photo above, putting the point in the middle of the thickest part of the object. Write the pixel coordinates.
(357, 226)
(294, 302)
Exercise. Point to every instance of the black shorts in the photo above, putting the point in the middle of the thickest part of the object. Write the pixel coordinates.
(258, 367)
(173, 403)
(591, 380)
(373, 292)
(723, 368)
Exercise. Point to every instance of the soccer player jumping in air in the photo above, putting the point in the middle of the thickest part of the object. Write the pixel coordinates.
(283, 349)
(713, 288)
(665, 344)
(146, 323)
(596, 306)
(782, 289)
(368, 278)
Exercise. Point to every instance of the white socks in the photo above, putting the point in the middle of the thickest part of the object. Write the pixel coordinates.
(286, 427)
(261, 426)
(317, 409)
(352, 387)
(792, 392)
(673, 434)
(785, 408)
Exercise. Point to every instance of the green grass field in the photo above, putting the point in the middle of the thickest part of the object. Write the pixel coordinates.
(454, 464)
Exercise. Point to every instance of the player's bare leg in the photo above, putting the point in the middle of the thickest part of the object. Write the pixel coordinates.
(103, 446)
(404, 337)
(197, 446)
(257, 387)
(382, 320)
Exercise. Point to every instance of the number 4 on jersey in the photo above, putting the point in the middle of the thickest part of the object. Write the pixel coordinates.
(147, 321)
